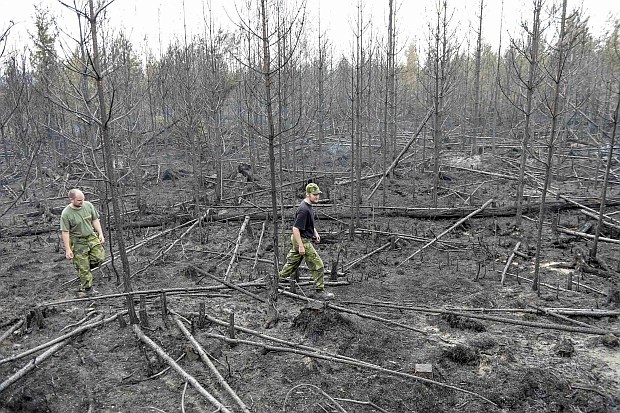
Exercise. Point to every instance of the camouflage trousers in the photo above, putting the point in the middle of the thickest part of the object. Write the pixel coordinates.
(313, 261)
(88, 253)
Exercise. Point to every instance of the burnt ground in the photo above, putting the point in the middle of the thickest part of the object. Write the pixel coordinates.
(489, 348)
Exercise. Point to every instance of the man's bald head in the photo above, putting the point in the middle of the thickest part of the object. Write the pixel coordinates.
(75, 192)
(76, 197)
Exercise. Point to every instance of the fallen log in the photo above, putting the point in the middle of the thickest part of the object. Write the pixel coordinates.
(98, 321)
(587, 207)
(234, 255)
(188, 378)
(163, 252)
(584, 235)
(260, 241)
(227, 284)
(607, 221)
(52, 347)
(33, 364)
(206, 360)
(168, 291)
(47, 228)
(11, 330)
(357, 313)
(514, 251)
(560, 316)
(326, 212)
(582, 312)
(459, 222)
(356, 261)
(402, 152)
(239, 214)
(588, 269)
(560, 327)
(557, 288)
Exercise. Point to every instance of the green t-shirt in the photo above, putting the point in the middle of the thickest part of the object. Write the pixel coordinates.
(79, 222)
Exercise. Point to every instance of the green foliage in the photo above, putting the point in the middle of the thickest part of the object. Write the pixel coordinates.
(44, 58)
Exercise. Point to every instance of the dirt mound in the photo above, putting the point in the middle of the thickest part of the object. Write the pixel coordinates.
(454, 321)
(315, 323)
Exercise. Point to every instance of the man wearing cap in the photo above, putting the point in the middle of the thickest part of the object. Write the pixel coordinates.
(304, 233)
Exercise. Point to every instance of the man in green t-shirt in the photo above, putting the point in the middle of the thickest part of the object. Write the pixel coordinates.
(78, 223)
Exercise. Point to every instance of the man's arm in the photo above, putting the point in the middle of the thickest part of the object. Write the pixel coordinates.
(300, 244)
(97, 226)
(67, 243)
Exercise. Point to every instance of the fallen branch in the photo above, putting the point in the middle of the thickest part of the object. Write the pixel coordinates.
(260, 241)
(584, 330)
(607, 221)
(584, 207)
(98, 321)
(589, 236)
(363, 178)
(510, 177)
(400, 235)
(582, 312)
(168, 291)
(362, 258)
(589, 330)
(402, 152)
(327, 396)
(459, 222)
(559, 316)
(234, 255)
(514, 251)
(367, 403)
(229, 285)
(80, 322)
(357, 313)
(11, 330)
(274, 339)
(34, 363)
(187, 231)
(468, 200)
(53, 345)
(188, 378)
(162, 253)
(556, 288)
(205, 359)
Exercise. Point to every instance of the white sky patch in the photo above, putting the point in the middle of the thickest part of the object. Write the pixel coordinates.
(150, 23)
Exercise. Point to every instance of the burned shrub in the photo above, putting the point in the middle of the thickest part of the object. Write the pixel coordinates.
(462, 354)
(461, 323)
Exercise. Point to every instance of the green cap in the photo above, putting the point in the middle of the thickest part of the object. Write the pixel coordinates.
(313, 188)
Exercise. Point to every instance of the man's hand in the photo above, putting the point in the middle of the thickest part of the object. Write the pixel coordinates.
(301, 249)
(69, 254)
(318, 238)
(101, 238)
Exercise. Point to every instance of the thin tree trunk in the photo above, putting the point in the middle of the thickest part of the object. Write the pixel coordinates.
(110, 173)
(388, 119)
(532, 74)
(477, 118)
(272, 278)
(606, 178)
(555, 114)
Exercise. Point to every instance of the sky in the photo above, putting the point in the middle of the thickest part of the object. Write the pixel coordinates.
(151, 22)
